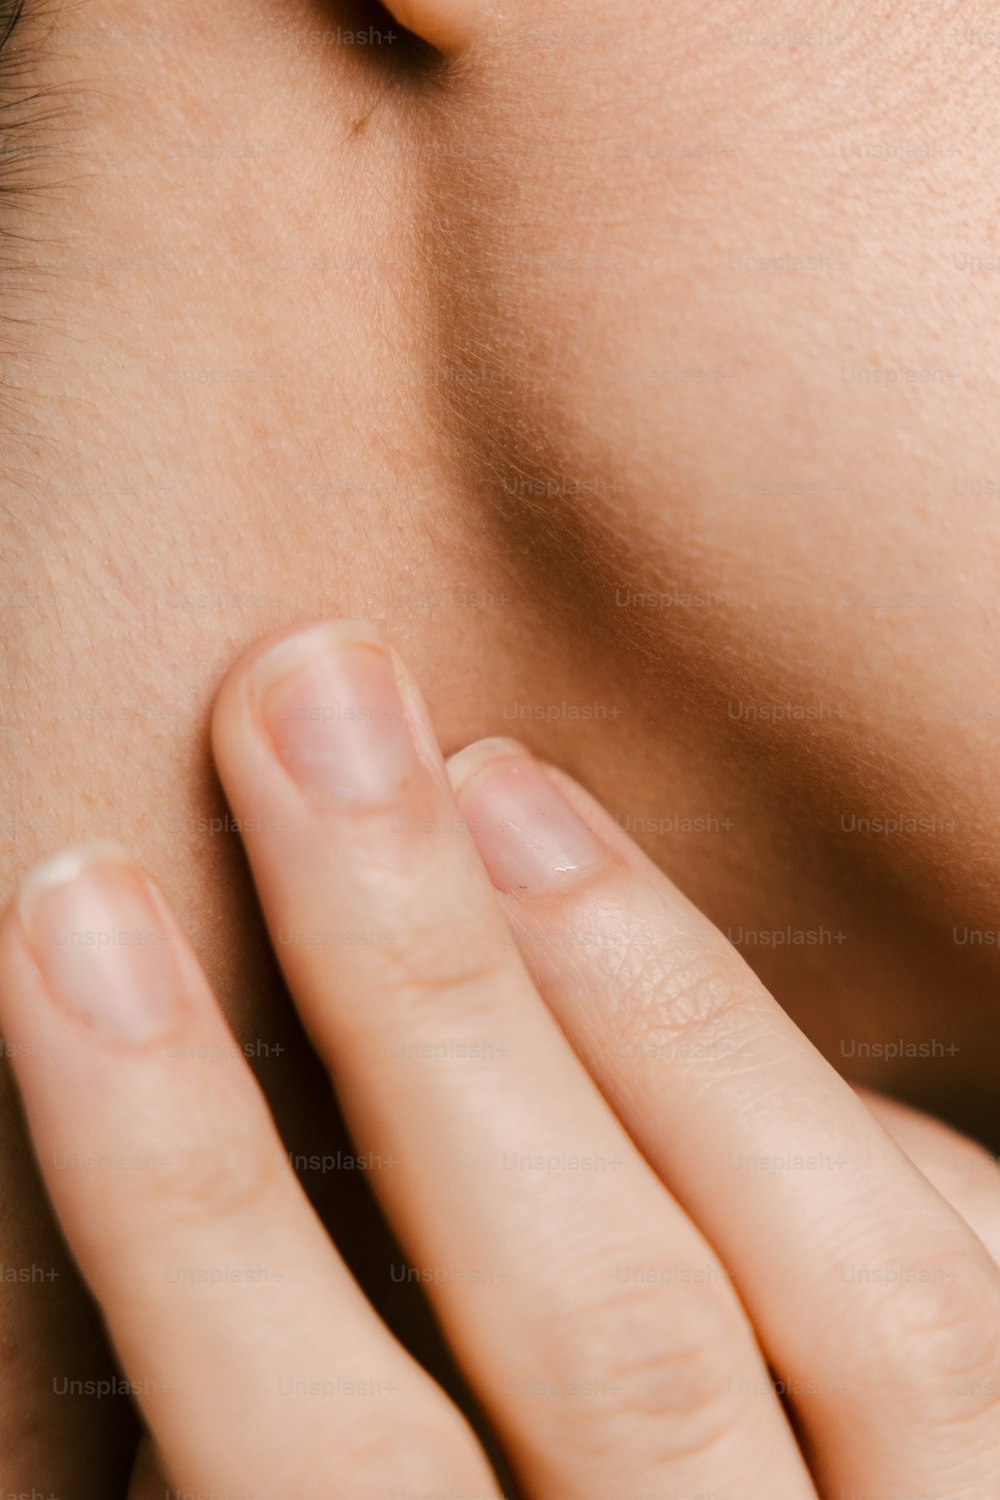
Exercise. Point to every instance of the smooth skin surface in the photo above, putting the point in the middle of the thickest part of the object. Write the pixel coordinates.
(616, 1294)
(543, 352)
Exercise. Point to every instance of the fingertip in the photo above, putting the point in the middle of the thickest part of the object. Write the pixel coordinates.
(103, 942)
(471, 759)
(63, 867)
(269, 658)
(264, 717)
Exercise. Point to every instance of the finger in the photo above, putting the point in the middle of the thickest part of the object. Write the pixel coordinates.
(54, 1438)
(256, 1362)
(878, 1307)
(963, 1172)
(516, 1192)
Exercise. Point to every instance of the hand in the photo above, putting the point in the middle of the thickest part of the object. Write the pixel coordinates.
(631, 1186)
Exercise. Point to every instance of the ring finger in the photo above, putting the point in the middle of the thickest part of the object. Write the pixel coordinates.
(878, 1306)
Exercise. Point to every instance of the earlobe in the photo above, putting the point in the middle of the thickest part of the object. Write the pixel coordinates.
(448, 25)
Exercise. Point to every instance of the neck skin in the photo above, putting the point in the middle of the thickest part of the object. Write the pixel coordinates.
(280, 353)
(238, 405)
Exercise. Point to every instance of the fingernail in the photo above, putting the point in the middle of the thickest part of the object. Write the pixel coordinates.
(529, 837)
(329, 701)
(100, 944)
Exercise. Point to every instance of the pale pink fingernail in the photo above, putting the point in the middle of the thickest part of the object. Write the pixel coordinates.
(330, 703)
(529, 837)
(100, 944)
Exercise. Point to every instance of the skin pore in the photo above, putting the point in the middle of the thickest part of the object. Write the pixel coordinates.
(656, 424)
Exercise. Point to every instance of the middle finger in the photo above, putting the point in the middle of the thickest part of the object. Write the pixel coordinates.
(510, 1181)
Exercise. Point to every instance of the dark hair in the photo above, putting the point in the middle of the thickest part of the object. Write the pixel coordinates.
(17, 91)
(23, 105)
(10, 14)
(30, 147)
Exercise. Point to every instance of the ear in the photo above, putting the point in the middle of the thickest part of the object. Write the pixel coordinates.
(448, 25)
